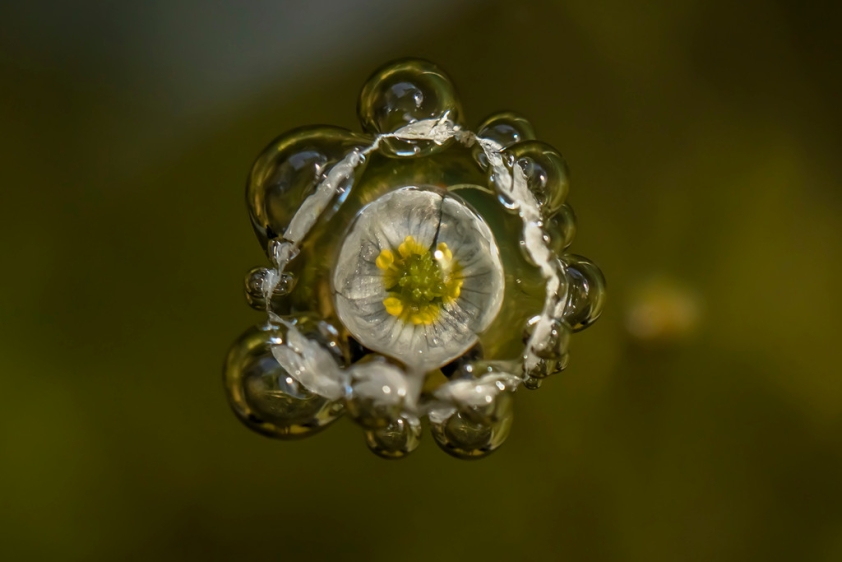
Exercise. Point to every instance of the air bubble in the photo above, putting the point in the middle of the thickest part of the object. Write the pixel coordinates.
(265, 397)
(586, 292)
(506, 128)
(561, 229)
(462, 437)
(475, 414)
(546, 173)
(557, 342)
(396, 440)
(257, 281)
(288, 171)
(403, 92)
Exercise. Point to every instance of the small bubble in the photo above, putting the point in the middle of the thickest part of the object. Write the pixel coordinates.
(396, 440)
(506, 128)
(557, 341)
(257, 282)
(586, 292)
(546, 173)
(561, 229)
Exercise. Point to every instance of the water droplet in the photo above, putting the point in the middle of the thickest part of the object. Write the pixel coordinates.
(561, 229)
(396, 440)
(506, 128)
(491, 405)
(288, 170)
(464, 438)
(265, 397)
(403, 92)
(586, 292)
(547, 367)
(546, 173)
(557, 342)
(322, 332)
(255, 282)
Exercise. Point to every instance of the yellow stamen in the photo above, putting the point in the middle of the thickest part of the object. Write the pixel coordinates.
(454, 289)
(454, 283)
(427, 315)
(443, 254)
(419, 280)
(391, 277)
(385, 259)
(411, 246)
(394, 305)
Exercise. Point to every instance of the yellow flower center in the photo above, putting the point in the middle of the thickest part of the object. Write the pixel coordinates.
(419, 280)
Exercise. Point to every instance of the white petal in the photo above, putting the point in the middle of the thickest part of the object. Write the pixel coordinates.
(477, 392)
(310, 364)
(383, 383)
(430, 217)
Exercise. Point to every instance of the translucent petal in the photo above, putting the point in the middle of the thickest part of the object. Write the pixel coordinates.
(379, 393)
(310, 364)
(447, 227)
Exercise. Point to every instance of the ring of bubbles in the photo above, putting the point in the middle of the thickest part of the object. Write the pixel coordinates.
(418, 270)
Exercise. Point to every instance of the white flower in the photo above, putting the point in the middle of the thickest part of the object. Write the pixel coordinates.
(418, 277)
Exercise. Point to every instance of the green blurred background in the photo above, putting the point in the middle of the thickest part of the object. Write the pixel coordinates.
(700, 419)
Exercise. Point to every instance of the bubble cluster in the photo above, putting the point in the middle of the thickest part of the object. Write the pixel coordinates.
(418, 270)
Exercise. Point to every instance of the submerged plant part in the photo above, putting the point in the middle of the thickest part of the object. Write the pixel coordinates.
(418, 277)
(417, 270)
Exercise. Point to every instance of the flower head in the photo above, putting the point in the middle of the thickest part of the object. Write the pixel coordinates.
(418, 277)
